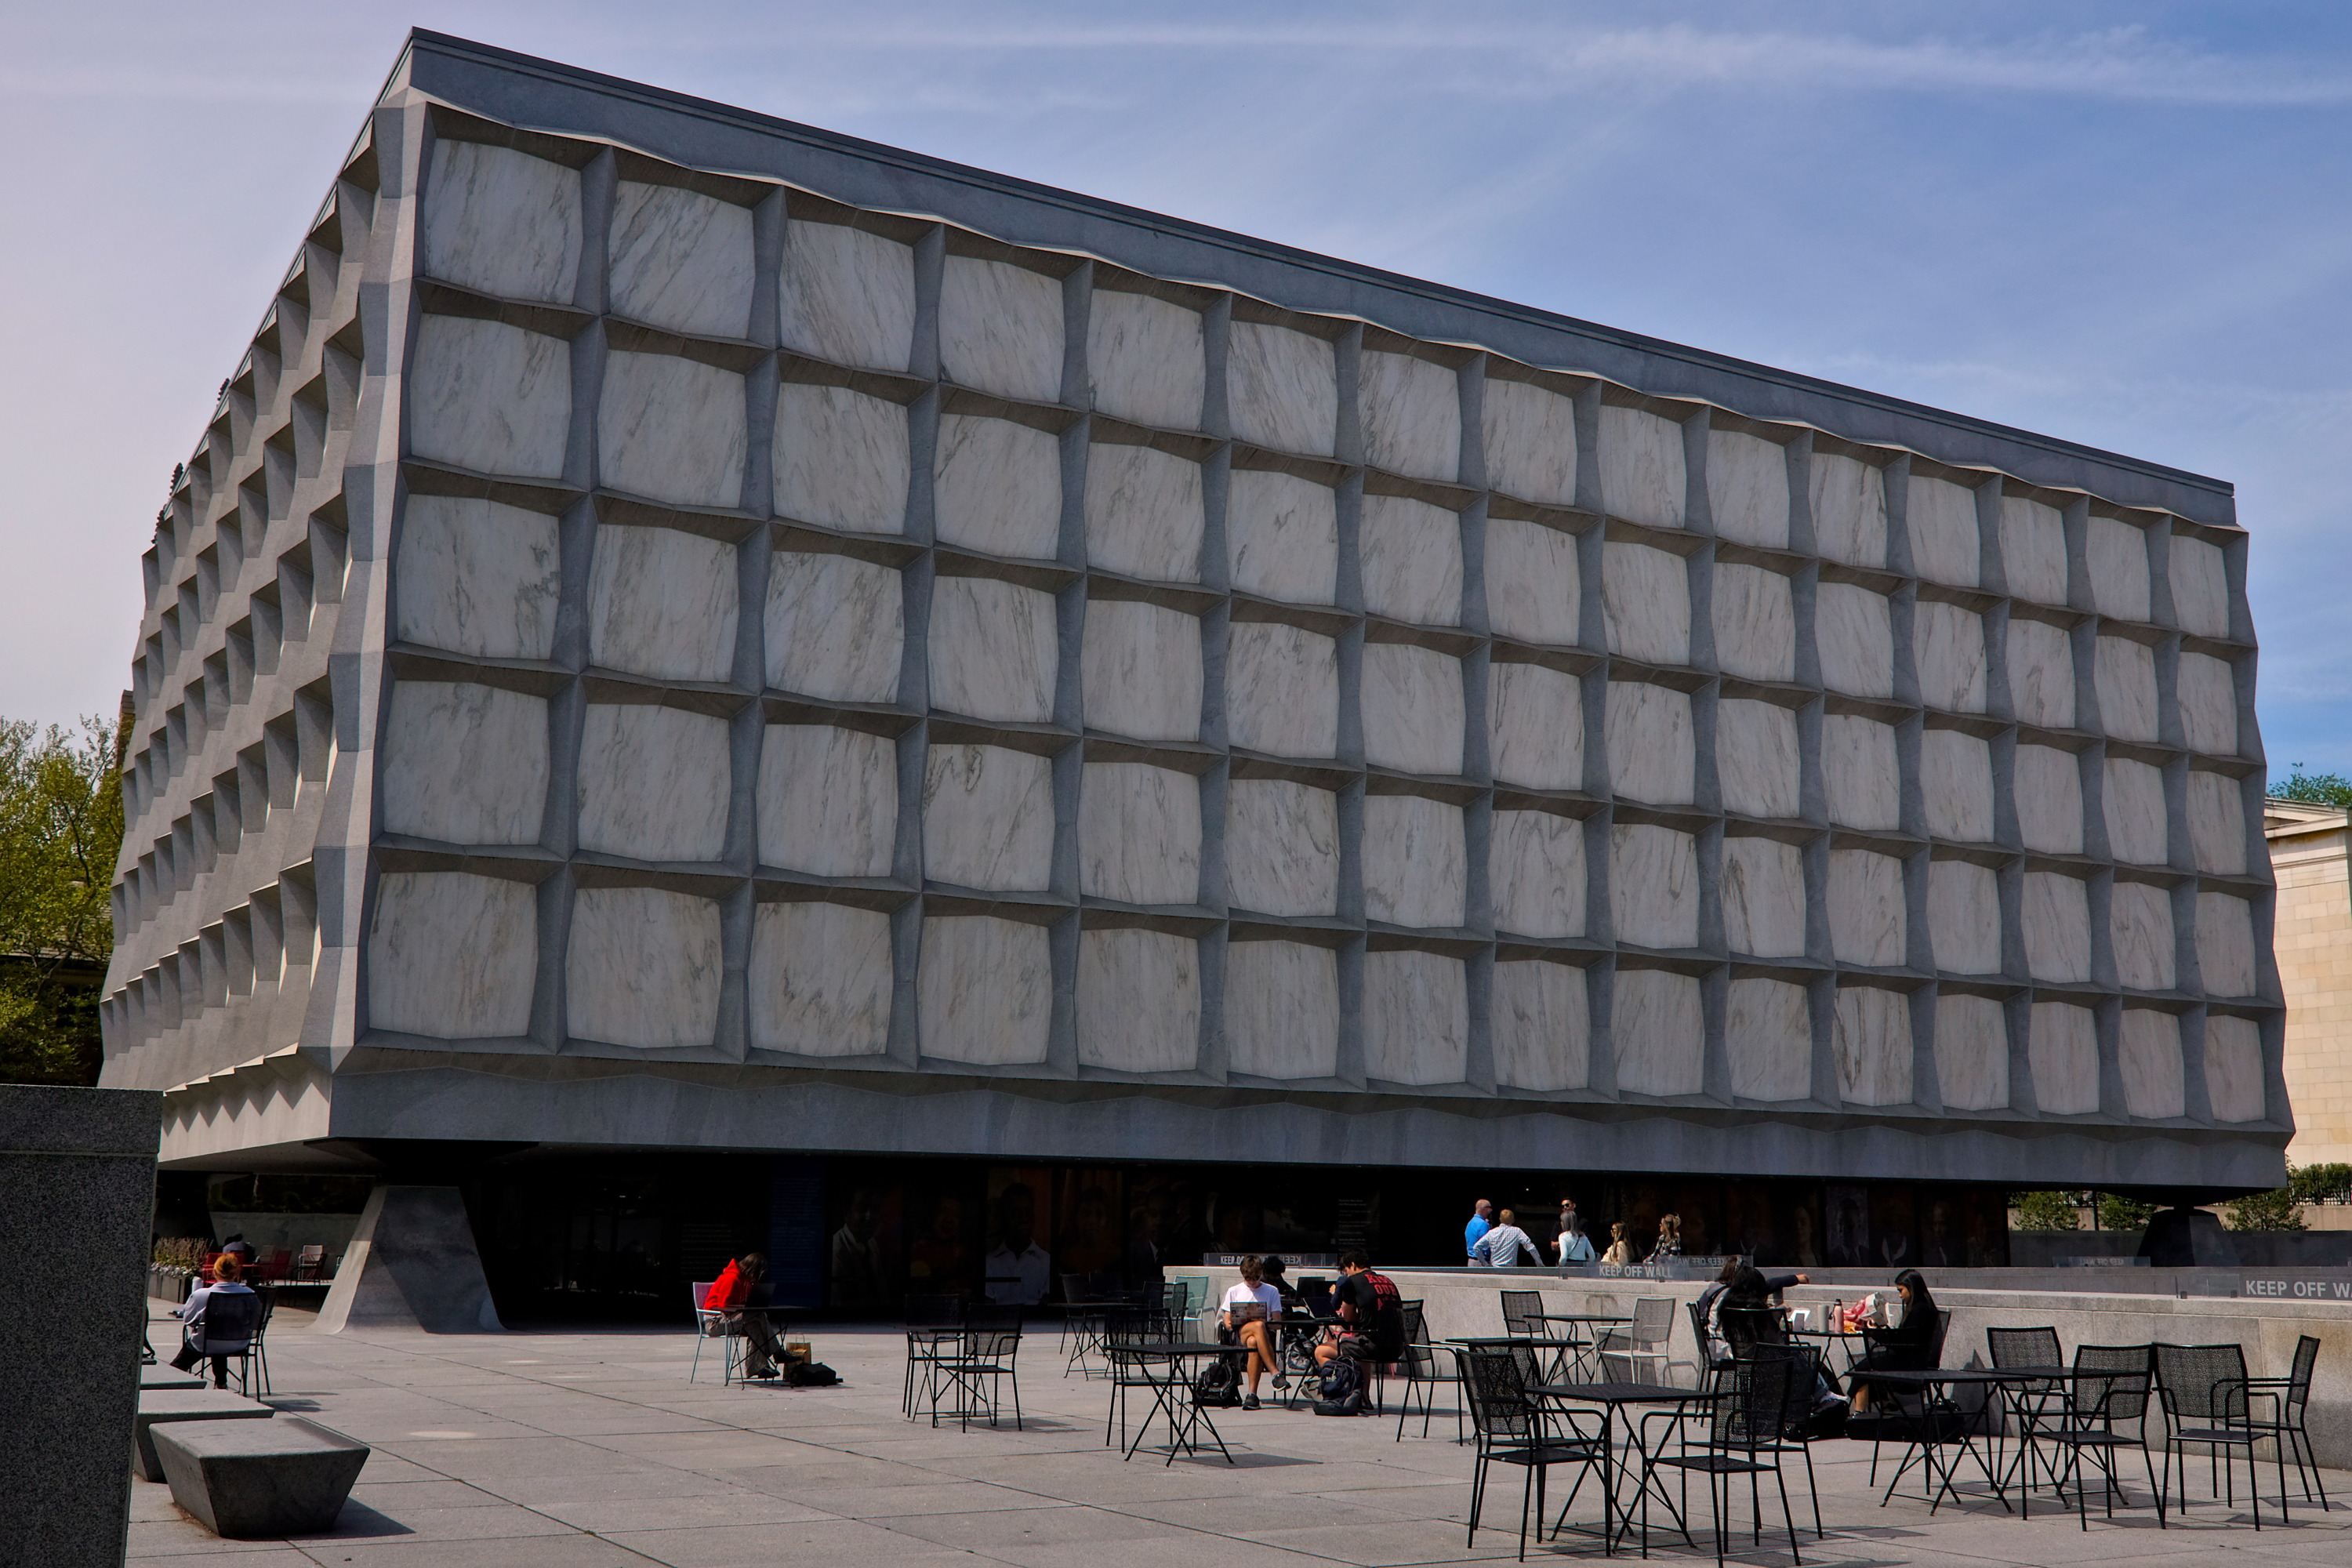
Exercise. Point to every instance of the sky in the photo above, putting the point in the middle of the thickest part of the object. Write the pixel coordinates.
(2124, 225)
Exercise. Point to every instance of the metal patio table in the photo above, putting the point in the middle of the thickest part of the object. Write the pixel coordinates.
(1612, 1397)
(1164, 1364)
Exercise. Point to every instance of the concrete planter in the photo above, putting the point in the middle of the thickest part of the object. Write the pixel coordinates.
(261, 1479)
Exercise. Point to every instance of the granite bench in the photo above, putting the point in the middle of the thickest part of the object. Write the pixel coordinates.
(157, 1406)
(151, 1377)
(252, 1479)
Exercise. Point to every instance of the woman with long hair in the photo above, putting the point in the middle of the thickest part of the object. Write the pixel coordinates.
(1909, 1346)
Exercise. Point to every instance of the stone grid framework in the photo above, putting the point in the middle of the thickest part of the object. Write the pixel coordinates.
(623, 612)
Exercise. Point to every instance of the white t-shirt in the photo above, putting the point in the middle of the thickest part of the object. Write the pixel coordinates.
(1266, 1295)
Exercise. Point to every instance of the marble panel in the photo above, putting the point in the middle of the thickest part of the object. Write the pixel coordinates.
(841, 459)
(1282, 389)
(2063, 1049)
(1416, 1017)
(1644, 473)
(1756, 758)
(1540, 1025)
(1139, 834)
(2225, 945)
(993, 650)
(671, 429)
(998, 486)
(988, 818)
(985, 993)
(2141, 918)
(1536, 873)
(1282, 848)
(1947, 647)
(1139, 670)
(2152, 1064)
(2233, 1070)
(829, 800)
(1870, 1039)
(1146, 360)
(682, 260)
(1282, 689)
(489, 397)
(2042, 674)
(1755, 623)
(464, 763)
(1412, 709)
(1411, 560)
(1416, 864)
(1139, 1001)
(1282, 537)
(1530, 442)
(1763, 897)
(2209, 705)
(2055, 926)
(1533, 590)
(1535, 726)
(1648, 732)
(1768, 1037)
(2116, 554)
(2125, 674)
(1964, 917)
(1868, 922)
(653, 782)
(1854, 637)
(1657, 1025)
(2136, 830)
(835, 628)
(1144, 515)
(2217, 823)
(846, 295)
(2048, 786)
(1941, 519)
(501, 222)
(1645, 603)
(1747, 489)
(1972, 1053)
(820, 980)
(662, 602)
(476, 576)
(1282, 1010)
(1411, 412)
(1848, 500)
(2200, 587)
(2034, 550)
(1001, 329)
(643, 969)
(1654, 891)
(451, 956)
(1860, 773)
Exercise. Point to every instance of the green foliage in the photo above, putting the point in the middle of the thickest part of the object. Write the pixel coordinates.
(60, 831)
(2313, 789)
(2118, 1213)
(2321, 1184)
(2047, 1211)
(2275, 1210)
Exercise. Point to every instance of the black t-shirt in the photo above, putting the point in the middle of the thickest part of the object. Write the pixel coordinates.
(1378, 1320)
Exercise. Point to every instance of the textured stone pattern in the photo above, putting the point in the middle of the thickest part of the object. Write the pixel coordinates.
(828, 636)
(2311, 853)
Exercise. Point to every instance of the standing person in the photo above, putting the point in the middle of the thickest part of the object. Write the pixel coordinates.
(1255, 1332)
(216, 1324)
(1505, 1245)
(730, 1294)
(1670, 1238)
(1619, 1249)
(1482, 1220)
(1575, 1246)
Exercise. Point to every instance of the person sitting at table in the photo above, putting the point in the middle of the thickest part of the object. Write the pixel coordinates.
(1277, 1274)
(1619, 1249)
(730, 1294)
(1370, 1314)
(1505, 1246)
(1745, 1287)
(1909, 1346)
(214, 1322)
(1254, 1331)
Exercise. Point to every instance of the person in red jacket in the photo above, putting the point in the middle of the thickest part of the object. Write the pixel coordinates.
(732, 1293)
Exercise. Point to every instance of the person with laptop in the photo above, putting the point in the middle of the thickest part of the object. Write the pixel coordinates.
(1251, 1309)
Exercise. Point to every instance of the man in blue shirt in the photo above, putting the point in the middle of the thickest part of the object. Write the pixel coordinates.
(1482, 1220)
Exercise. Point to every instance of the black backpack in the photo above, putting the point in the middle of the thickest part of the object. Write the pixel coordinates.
(1217, 1387)
(811, 1375)
(1342, 1390)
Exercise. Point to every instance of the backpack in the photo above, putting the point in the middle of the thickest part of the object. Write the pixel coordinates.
(811, 1375)
(1217, 1387)
(1341, 1389)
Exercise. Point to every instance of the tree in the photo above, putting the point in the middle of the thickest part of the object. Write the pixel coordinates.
(2119, 1213)
(2326, 1183)
(2313, 789)
(2274, 1210)
(2048, 1211)
(60, 831)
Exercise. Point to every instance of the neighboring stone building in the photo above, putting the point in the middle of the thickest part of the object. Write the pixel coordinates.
(687, 632)
(2313, 944)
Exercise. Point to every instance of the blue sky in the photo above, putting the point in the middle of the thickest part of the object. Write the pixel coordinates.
(2124, 225)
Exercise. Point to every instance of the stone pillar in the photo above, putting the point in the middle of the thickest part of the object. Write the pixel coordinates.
(412, 1264)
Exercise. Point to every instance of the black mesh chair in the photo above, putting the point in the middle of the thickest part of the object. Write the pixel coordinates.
(2035, 1402)
(2207, 1398)
(1519, 1313)
(1121, 1329)
(1511, 1430)
(2085, 1424)
(1745, 1434)
(1745, 1328)
(1422, 1375)
(2286, 1427)
(1711, 1366)
(934, 1330)
(975, 1371)
(228, 1331)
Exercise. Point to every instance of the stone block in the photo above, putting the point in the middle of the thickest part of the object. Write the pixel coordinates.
(1854, 640)
(2056, 925)
(1755, 623)
(1144, 512)
(1956, 785)
(1849, 504)
(501, 222)
(476, 576)
(1964, 917)
(1411, 560)
(1530, 442)
(988, 818)
(985, 991)
(1282, 689)
(829, 800)
(835, 628)
(1645, 603)
(1282, 1010)
(451, 956)
(464, 763)
(1768, 1037)
(2033, 550)
(1747, 489)
(1282, 537)
(2217, 823)
(1756, 758)
(162, 1377)
(1868, 922)
(1541, 1025)
(1146, 360)
(1140, 671)
(1412, 709)
(1139, 1001)
(1947, 648)
(2116, 553)
(2152, 1064)
(1535, 726)
(846, 295)
(177, 1406)
(2225, 945)
(1001, 329)
(1870, 1039)
(644, 968)
(841, 459)
(2200, 587)
(671, 429)
(1972, 1053)
(653, 782)
(662, 602)
(2209, 705)
(997, 487)
(1536, 873)
(260, 1480)
(1282, 848)
(1657, 1025)
(2049, 800)
(1653, 889)
(820, 980)
(2042, 674)
(995, 649)
(1416, 866)
(1941, 519)
(1412, 414)
(1652, 753)
(489, 397)
(1282, 389)
(1763, 897)
(682, 260)
(1139, 834)
(2140, 919)
(1860, 772)
(2064, 1049)
(1416, 1018)
(2125, 674)
(1532, 582)
(2233, 1070)
(1643, 474)
(2134, 804)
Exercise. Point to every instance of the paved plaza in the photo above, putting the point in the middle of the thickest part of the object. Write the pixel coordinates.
(577, 1449)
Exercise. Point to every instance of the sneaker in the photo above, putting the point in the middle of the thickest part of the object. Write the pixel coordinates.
(1281, 1380)
(1249, 1402)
